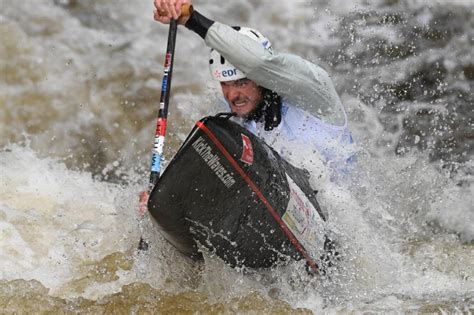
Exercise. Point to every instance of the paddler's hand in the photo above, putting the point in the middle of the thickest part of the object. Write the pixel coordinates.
(165, 10)
(143, 203)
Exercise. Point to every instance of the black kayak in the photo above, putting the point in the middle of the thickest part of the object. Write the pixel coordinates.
(227, 191)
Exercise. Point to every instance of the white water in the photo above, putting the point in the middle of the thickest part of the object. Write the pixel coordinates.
(81, 84)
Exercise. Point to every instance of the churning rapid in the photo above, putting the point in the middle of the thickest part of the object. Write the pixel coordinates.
(80, 82)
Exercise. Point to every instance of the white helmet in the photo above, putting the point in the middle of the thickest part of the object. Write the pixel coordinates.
(222, 70)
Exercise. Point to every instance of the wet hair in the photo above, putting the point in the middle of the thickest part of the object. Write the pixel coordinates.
(268, 110)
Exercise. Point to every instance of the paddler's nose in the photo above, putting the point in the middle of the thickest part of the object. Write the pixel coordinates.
(230, 92)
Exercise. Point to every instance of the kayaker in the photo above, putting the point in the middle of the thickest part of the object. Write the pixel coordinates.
(272, 93)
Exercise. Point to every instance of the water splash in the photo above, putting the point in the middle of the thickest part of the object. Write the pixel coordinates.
(80, 79)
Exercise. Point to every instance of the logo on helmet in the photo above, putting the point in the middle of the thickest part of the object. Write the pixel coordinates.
(229, 73)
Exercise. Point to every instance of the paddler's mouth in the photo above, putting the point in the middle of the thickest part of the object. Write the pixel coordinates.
(242, 106)
(240, 102)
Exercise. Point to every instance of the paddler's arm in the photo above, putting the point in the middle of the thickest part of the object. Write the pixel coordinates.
(296, 79)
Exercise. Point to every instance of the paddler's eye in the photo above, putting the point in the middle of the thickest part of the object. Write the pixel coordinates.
(241, 82)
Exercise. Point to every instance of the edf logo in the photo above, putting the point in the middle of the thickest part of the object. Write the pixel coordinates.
(229, 73)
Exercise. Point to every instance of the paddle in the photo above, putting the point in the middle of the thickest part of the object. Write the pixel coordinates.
(161, 122)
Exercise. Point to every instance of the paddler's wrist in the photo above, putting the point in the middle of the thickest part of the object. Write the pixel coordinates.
(198, 23)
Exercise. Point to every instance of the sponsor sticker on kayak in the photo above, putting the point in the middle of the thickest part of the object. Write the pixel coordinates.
(213, 161)
(247, 150)
(303, 219)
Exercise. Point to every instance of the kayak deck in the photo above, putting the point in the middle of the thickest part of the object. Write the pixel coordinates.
(231, 193)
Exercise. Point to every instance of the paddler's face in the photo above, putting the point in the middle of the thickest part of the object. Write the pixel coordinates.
(242, 95)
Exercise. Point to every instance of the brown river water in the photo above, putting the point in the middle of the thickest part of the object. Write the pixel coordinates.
(79, 88)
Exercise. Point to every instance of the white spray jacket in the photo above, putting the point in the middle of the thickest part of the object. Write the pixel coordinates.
(304, 88)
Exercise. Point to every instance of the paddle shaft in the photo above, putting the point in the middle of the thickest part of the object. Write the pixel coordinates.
(161, 122)
(160, 133)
